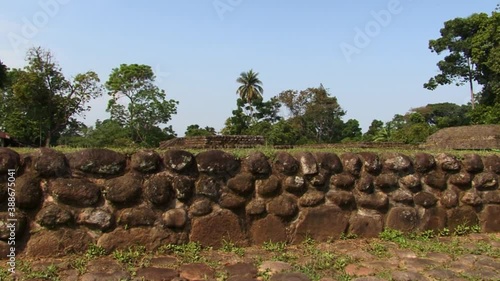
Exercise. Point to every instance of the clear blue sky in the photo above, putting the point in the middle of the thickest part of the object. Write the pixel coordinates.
(198, 48)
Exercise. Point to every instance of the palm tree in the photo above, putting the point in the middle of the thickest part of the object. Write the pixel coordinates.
(250, 89)
(251, 86)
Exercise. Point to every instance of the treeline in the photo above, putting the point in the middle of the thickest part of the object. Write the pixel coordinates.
(316, 117)
(472, 56)
(39, 106)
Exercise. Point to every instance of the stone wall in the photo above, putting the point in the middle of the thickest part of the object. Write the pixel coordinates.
(67, 201)
(465, 137)
(213, 142)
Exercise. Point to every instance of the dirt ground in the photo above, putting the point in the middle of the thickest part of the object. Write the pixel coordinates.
(393, 256)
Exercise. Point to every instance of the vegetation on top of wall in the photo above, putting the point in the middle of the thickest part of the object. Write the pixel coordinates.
(270, 151)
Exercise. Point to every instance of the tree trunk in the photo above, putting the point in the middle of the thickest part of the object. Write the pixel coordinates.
(471, 94)
(48, 139)
(471, 83)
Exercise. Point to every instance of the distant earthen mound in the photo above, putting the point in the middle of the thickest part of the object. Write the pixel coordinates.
(465, 137)
(214, 142)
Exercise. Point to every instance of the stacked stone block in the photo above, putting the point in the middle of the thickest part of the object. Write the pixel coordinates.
(67, 201)
(214, 142)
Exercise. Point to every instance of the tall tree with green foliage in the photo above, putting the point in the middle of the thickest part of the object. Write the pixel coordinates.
(457, 67)
(295, 101)
(472, 45)
(411, 128)
(3, 75)
(196, 130)
(282, 133)
(315, 113)
(145, 107)
(351, 131)
(40, 102)
(443, 115)
(374, 128)
(241, 123)
(486, 54)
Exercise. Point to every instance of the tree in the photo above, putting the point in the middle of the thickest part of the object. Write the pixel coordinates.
(486, 54)
(473, 47)
(250, 89)
(483, 114)
(384, 134)
(457, 67)
(374, 128)
(351, 131)
(409, 128)
(282, 133)
(3, 75)
(241, 123)
(314, 113)
(145, 107)
(323, 117)
(260, 128)
(73, 135)
(444, 115)
(196, 130)
(40, 102)
(296, 102)
(266, 110)
(153, 135)
(108, 133)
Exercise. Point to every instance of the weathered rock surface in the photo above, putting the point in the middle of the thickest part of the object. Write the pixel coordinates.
(175, 218)
(62, 242)
(283, 206)
(145, 161)
(158, 189)
(54, 215)
(75, 191)
(9, 159)
(308, 165)
(328, 222)
(286, 163)
(137, 216)
(268, 187)
(101, 219)
(329, 162)
(97, 161)
(217, 162)
(270, 228)
(178, 160)
(28, 193)
(243, 183)
(402, 218)
(48, 163)
(208, 231)
(258, 164)
(124, 189)
(151, 238)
